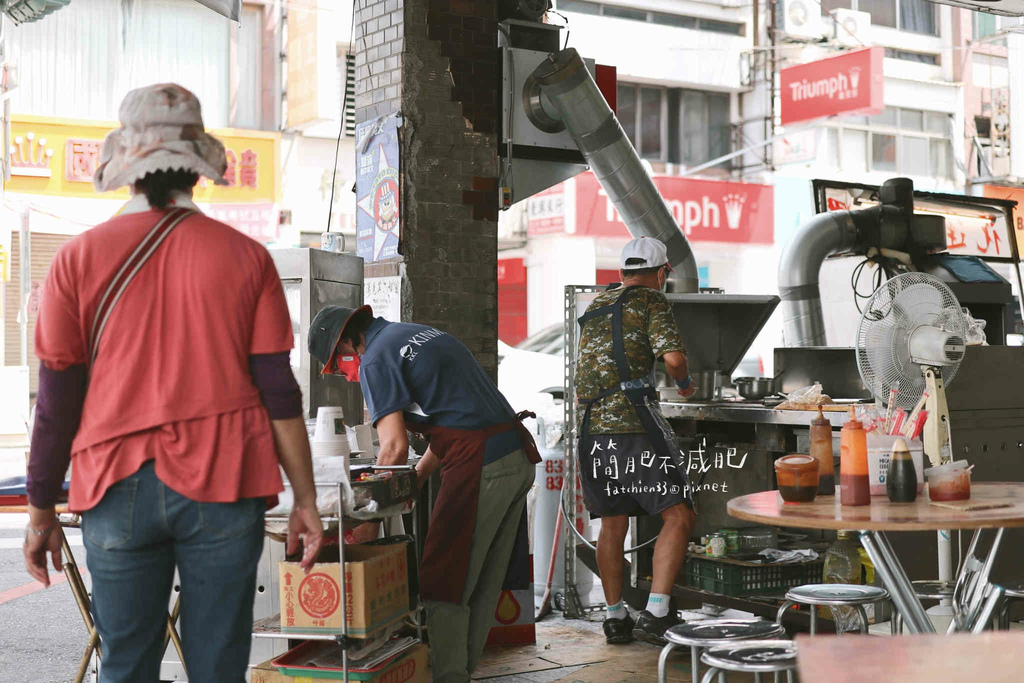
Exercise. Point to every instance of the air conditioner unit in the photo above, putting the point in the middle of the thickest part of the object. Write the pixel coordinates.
(802, 19)
(852, 27)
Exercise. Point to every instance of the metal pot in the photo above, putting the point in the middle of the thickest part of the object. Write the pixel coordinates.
(754, 388)
(707, 385)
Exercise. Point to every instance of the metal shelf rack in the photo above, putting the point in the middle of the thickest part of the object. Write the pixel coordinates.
(271, 626)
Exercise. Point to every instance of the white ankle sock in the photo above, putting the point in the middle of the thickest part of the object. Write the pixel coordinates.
(657, 604)
(616, 611)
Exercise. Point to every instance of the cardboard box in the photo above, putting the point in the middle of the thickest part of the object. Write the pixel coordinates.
(410, 668)
(377, 590)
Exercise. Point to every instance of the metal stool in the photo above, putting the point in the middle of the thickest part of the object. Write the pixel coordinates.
(832, 595)
(752, 656)
(1014, 593)
(711, 633)
(925, 590)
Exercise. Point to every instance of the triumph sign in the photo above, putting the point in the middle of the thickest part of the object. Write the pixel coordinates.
(849, 83)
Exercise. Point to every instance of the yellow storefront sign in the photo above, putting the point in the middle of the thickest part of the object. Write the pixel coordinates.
(59, 157)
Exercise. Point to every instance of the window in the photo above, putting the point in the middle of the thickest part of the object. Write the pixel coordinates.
(906, 55)
(916, 16)
(674, 125)
(347, 76)
(986, 25)
(904, 141)
(663, 18)
(249, 111)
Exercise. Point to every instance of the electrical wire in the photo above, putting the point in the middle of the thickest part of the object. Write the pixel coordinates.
(341, 122)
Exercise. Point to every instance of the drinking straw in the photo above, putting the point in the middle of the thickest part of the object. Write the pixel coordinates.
(897, 423)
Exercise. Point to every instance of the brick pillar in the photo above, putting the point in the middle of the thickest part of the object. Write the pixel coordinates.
(437, 62)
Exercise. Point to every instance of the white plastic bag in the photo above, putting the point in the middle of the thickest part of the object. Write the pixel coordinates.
(975, 330)
(806, 397)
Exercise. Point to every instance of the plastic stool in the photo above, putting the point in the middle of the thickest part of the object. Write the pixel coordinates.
(710, 633)
(751, 656)
(833, 595)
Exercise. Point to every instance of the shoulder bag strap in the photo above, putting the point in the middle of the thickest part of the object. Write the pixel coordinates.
(126, 273)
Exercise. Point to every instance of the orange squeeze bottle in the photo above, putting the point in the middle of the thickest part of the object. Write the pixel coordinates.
(853, 463)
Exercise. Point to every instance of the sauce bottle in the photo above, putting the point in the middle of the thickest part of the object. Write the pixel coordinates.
(901, 480)
(821, 450)
(853, 463)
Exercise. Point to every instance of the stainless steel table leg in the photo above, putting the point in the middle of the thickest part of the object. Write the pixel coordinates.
(694, 663)
(757, 677)
(900, 588)
(814, 619)
(991, 603)
(663, 662)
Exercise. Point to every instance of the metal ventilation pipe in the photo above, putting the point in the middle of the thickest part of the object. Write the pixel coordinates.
(562, 95)
(824, 235)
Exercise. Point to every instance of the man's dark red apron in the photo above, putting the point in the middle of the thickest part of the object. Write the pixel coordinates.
(446, 549)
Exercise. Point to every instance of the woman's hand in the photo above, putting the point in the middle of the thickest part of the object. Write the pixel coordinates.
(37, 545)
(305, 522)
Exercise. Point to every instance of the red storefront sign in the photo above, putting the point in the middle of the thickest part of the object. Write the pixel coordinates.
(511, 300)
(849, 83)
(705, 210)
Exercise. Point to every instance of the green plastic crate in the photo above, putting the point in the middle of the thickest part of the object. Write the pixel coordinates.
(726, 578)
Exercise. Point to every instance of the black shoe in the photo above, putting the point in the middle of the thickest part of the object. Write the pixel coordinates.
(619, 631)
(651, 629)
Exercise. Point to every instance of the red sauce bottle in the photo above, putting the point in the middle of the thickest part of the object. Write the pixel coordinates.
(853, 463)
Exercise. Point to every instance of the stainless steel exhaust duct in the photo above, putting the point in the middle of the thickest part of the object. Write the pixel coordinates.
(561, 93)
(825, 234)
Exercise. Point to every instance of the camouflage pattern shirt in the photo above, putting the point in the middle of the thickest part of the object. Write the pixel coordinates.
(649, 331)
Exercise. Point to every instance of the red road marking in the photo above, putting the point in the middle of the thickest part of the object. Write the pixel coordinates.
(30, 588)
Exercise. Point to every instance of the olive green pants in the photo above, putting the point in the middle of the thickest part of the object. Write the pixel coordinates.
(458, 632)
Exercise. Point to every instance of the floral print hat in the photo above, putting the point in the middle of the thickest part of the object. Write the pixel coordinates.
(161, 129)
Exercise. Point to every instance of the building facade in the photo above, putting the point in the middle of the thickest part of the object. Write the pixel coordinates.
(709, 83)
(283, 108)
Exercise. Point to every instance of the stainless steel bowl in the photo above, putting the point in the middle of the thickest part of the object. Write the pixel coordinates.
(707, 385)
(754, 388)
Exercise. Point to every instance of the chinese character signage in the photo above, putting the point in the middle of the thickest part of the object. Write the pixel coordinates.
(1017, 195)
(59, 158)
(849, 83)
(546, 211)
(378, 212)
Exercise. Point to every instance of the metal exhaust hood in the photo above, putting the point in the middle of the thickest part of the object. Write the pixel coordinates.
(717, 329)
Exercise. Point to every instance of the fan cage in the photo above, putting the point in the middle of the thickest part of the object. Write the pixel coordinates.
(894, 311)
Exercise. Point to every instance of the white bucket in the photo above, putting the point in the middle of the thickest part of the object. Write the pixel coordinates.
(879, 453)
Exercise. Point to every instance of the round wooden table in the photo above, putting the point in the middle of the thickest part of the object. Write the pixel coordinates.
(995, 506)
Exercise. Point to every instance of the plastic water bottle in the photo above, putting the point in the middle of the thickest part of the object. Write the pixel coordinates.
(842, 565)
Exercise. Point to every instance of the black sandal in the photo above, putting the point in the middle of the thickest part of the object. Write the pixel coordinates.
(618, 631)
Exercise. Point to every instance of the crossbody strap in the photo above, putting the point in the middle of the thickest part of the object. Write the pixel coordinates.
(126, 273)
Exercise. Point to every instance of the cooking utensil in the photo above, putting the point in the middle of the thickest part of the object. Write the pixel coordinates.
(754, 388)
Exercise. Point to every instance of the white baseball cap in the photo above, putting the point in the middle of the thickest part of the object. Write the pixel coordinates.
(651, 252)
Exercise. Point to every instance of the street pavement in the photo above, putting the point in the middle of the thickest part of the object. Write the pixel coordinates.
(42, 636)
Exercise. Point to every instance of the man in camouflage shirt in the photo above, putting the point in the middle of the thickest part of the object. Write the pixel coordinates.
(625, 470)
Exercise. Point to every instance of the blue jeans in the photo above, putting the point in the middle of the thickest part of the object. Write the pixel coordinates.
(134, 539)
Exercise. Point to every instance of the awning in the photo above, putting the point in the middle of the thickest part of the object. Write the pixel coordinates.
(25, 11)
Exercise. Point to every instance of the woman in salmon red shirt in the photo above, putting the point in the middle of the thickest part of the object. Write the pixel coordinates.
(164, 338)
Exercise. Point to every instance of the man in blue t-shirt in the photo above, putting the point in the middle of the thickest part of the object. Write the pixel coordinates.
(421, 379)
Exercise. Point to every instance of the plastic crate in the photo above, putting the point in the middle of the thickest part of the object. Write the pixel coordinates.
(727, 578)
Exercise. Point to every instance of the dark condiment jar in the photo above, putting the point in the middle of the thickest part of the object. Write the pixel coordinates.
(901, 480)
(798, 478)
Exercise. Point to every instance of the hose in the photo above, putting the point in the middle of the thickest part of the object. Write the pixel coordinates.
(581, 537)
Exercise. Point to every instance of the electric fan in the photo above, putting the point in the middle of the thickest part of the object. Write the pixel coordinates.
(911, 337)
